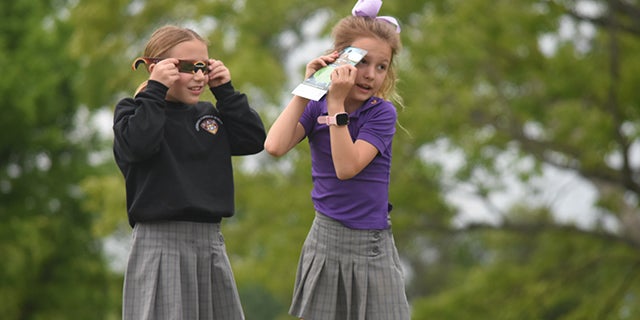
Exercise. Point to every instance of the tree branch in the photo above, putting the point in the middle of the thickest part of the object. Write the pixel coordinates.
(621, 8)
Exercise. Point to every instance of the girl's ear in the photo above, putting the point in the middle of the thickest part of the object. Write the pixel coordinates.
(151, 67)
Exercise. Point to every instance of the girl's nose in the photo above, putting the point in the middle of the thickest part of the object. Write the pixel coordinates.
(199, 74)
(368, 73)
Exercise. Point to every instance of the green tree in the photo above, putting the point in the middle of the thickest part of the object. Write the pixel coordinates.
(552, 85)
(52, 266)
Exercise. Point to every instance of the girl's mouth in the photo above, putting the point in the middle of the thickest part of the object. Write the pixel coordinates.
(196, 90)
(364, 87)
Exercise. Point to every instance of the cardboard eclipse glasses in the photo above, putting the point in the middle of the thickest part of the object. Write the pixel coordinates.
(184, 66)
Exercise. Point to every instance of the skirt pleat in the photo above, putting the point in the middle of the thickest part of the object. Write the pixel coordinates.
(179, 271)
(348, 274)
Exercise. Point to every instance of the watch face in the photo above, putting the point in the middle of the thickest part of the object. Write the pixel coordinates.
(342, 119)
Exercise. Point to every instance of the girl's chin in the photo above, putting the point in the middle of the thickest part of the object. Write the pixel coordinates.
(190, 100)
(361, 96)
(193, 96)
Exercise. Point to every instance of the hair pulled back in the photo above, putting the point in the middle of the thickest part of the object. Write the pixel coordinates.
(164, 39)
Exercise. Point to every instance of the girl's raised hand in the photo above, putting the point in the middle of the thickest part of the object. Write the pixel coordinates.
(219, 74)
(320, 62)
(342, 80)
(165, 71)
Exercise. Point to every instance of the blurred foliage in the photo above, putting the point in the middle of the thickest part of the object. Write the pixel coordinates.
(52, 266)
(490, 89)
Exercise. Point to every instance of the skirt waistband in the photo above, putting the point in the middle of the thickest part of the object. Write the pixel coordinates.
(332, 237)
(189, 233)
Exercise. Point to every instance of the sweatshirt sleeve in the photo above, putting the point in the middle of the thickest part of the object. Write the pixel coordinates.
(244, 125)
(138, 123)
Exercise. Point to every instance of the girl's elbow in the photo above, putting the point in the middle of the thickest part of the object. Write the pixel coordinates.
(348, 170)
(273, 149)
(345, 174)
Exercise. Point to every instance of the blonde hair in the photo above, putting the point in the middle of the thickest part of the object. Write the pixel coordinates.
(351, 28)
(164, 39)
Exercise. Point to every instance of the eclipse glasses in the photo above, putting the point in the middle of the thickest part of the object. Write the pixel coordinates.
(184, 66)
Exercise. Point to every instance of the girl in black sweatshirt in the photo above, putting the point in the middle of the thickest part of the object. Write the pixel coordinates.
(175, 154)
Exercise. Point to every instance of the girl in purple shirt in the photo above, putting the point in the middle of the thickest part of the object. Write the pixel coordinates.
(349, 266)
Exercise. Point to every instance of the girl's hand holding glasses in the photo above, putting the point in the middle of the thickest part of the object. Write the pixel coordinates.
(219, 74)
(165, 71)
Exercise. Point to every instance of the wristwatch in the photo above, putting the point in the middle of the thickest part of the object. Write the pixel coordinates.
(339, 119)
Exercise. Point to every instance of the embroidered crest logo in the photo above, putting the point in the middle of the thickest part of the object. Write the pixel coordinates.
(208, 123)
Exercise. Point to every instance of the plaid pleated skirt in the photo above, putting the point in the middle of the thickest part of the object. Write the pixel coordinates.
(349, 274)
(179, 270)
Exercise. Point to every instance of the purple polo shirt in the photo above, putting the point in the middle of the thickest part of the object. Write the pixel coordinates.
(361, 202)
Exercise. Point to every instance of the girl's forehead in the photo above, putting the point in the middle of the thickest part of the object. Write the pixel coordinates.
(189, 50)
(376, 48)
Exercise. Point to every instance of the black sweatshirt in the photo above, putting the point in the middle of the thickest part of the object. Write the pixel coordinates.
(176, 158)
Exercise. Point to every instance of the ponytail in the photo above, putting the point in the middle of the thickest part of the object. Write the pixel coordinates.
(141, 87)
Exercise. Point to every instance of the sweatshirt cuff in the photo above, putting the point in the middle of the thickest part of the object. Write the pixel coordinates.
(157, 89)
(221, 92)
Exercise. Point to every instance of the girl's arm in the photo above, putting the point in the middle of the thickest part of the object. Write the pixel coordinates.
(286, 131)
(244, 125)
(349, 158)
(138, 123)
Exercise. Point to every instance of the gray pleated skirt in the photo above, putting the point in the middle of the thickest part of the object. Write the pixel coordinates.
(349, 274)
(179, 270)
